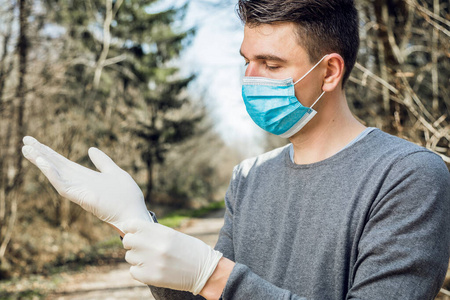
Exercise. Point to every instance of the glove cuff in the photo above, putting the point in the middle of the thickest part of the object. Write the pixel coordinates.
(208, 269)
(146, 216)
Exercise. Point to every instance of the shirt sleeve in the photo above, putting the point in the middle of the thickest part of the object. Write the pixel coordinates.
(243, 283)
(225, 241)
(404, 249)
(168, 294)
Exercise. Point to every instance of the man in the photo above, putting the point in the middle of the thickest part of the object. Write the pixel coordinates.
(343, 212)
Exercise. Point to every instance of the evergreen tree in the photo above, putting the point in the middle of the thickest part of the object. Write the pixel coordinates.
(123, 73)
(153, 45)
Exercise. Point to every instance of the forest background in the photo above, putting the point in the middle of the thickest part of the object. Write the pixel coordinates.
(106, 73)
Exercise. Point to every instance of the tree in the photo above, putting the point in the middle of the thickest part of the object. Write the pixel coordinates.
(153, 45)
(12, 121)
(123, 72)
(400, 83)
(101, 73)
(162, 131)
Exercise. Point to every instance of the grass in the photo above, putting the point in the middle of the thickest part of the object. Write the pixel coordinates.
(177, 217)
(23, 295)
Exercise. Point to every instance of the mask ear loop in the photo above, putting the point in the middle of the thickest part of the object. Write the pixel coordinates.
(310, 70)
(317, 99)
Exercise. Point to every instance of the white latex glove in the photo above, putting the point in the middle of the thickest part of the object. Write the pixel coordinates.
(111, 194)
(163, 257)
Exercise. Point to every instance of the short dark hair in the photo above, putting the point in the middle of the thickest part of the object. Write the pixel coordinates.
(323, 26)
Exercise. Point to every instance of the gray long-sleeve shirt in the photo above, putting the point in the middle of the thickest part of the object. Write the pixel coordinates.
(371, 222)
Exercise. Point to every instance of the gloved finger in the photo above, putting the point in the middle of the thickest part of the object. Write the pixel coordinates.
(133, 226)
(29, 153)
(32, 149)
(57, 175)
(51, 155)
(102, 161)
(55, 178)
(132, 258)
(47, 168)
(138, 274)
(41, 148)
(50, 172)
(29, 140)
(128, 241)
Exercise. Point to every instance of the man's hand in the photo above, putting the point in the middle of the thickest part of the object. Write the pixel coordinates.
(163, 257)
(111, 194)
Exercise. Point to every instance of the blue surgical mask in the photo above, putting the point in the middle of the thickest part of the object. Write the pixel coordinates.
(272, 104)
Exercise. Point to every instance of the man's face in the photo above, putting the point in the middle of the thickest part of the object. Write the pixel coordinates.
(273, 51)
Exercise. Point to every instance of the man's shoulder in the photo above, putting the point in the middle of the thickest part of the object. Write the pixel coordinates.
(389, 141)
(383, 147)
(382, 143)
(262, 161)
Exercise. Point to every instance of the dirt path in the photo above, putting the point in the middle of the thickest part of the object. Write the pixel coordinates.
(115, 282)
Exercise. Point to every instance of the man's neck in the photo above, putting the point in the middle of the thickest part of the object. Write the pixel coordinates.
(327, 133)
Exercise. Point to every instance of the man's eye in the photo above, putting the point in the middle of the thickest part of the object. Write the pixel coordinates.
(269, 67)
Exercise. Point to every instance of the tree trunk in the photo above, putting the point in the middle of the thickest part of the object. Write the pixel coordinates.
(149, 191)
(18, 110)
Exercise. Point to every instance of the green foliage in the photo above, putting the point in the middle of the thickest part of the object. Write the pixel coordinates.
(175, 218)
(30, 294)
(122, 72)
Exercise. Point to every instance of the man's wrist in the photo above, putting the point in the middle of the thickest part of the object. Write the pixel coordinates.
(216, 283)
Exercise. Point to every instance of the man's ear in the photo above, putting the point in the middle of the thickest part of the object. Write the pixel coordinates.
(334, 72)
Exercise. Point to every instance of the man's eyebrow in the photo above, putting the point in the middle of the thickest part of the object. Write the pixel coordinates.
(266, 57)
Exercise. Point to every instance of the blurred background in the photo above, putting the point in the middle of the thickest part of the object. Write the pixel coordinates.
(156, 85)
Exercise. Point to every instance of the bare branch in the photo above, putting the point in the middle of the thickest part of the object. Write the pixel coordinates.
(434, 15)
(434, 60)
(445, 292)
(391, 38)
(114, 60)
(110, 13)
(9, 227)
(377, 78)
